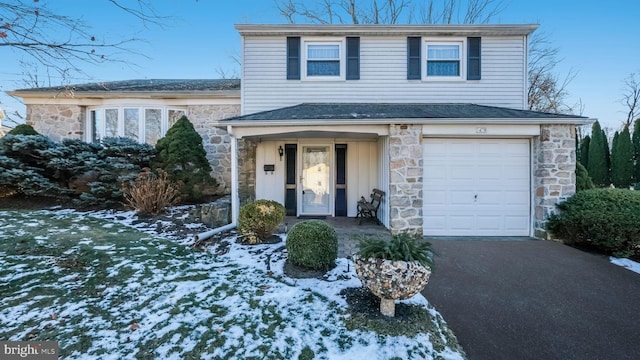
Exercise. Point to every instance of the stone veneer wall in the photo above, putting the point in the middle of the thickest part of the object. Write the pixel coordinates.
(554, 165)
(405, 185)
(57, 121)
(246, 170)
(216, 140)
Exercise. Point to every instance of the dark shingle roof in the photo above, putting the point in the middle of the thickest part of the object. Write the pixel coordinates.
(354, 111)
(168, 85)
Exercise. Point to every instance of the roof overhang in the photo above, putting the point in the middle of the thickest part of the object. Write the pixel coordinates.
(407, 121)
(385, 30)
(69, 94)
(330, 115)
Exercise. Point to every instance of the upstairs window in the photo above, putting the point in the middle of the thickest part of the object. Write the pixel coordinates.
(323, 59)
(444, 60)
(143, 124)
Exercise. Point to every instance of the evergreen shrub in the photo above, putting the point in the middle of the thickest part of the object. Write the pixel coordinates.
(89, 174)
(312, 244)
(602, 219)
(259, 219)
(23, 129)
(182, 156)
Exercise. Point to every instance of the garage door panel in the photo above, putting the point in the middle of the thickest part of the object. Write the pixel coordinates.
(485, 223)
(436, 198)
(461, 222)
(461, 197)
(516, 198)
(438, 224)
(496, 170)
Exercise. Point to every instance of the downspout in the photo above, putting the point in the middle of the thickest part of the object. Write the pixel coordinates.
(235, 200)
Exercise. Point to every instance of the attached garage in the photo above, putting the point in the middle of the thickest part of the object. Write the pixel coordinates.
(476, 187)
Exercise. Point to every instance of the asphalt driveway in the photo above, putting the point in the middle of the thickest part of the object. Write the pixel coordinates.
(535, 299)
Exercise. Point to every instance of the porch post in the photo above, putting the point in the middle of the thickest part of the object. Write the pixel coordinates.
(235, 199)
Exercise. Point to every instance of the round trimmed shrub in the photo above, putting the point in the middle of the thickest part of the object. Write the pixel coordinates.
(602, 219)
(313, 244)
(259, 219)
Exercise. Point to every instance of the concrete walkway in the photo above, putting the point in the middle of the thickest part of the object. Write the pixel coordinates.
(535, 299)
(348, 230)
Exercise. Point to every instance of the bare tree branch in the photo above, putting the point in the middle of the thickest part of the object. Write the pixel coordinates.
(631, 98)
(547, 91)
(59, 42)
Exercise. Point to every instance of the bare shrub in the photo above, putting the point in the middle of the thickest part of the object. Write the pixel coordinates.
(150, 193)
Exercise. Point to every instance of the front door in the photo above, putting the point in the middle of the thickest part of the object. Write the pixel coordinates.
(315, 180)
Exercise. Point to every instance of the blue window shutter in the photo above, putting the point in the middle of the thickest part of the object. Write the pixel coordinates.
(353, 58)
(293, 58)
(414, 58)
(474, 63)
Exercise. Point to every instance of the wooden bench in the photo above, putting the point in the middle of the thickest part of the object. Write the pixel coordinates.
(369, 209)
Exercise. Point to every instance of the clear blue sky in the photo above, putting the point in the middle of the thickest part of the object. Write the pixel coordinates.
(596, 39)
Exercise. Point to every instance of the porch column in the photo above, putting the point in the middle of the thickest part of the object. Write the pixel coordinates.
(554, 166)
(235, 200)
(405, 178)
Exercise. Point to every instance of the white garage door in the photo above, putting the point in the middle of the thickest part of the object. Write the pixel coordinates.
(476, 187)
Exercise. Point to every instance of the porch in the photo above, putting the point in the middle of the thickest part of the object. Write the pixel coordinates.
(347, 229)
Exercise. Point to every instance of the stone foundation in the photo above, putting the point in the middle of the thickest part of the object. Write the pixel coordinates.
(554, 165)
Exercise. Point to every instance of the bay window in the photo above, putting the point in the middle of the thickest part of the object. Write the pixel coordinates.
(143, 124)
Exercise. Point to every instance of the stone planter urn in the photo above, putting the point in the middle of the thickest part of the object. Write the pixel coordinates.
(391, 280)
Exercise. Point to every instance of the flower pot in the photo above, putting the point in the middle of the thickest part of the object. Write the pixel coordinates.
(391, 280)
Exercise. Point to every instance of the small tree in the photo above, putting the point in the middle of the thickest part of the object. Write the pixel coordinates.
(584, 151)
(622, 159)
(636, 150)
(598, 160)
(583, 181)
(182, 156)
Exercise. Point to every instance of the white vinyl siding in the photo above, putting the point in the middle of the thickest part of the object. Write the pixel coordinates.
(362, 170)
(383, 76)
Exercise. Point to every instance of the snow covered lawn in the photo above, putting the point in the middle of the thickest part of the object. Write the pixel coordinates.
(104, 289)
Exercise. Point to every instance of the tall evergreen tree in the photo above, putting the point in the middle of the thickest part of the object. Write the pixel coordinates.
(636, 150)
(622, 160)
(584, 151)
(598, 159)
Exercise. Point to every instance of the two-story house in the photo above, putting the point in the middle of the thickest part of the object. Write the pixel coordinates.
(433, 115)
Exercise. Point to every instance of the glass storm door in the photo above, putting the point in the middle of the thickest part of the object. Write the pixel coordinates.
(315, 180)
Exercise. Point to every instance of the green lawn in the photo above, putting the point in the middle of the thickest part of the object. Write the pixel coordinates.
(106, 290)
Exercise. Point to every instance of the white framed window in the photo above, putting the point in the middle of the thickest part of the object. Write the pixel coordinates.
(140, 123)
(444, 60)
(323, 60)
